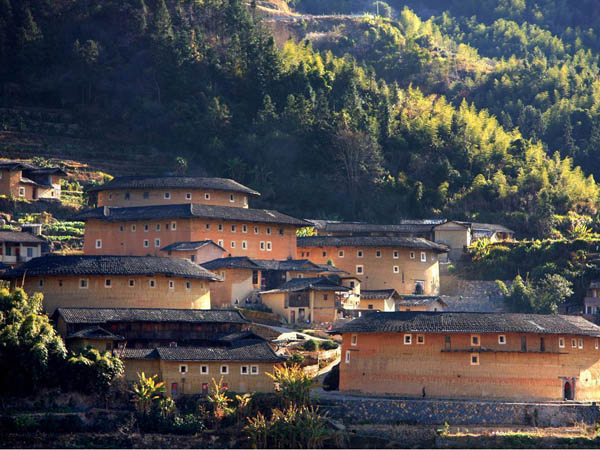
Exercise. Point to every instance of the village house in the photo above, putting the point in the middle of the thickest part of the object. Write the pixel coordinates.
(18, 247)
(173, 190)
(408, 265)
(28, 182)
(243, 277)
(114, 281)
(198, 251)
(471, 355)
(591, 301)
(306, 300)
(379, 299)
(420, 303)
(458, 235)
(146, 230)
(185, 348)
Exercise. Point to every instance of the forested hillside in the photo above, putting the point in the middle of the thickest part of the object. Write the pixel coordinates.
(465, 115)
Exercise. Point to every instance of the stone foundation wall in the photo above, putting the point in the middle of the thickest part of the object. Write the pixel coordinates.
(424, 411)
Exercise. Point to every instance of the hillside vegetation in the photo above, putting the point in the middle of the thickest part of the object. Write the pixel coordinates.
(375, 119)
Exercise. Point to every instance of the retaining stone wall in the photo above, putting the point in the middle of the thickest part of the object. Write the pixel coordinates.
(415, 411)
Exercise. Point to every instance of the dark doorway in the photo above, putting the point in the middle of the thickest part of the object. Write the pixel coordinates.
(568, 391)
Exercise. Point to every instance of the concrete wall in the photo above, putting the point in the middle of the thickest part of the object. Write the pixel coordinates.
(116, 197)
(378, 272)
(66, 291)
(382, 363)
(130, 242)
(456, 412)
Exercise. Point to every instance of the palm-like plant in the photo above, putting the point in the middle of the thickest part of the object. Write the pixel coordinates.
(145, 391)
(293, 383)
(243, 402)
(220, 400)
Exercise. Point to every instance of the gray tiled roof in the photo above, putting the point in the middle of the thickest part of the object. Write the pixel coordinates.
(314, 284)
(104, 315)
(94, 333)
(467, 322)
(19, 236)
(6, 164)
(220, 184)
(133, 213)
(418, 300)
(54, 265)
(357, 227)
(232, 262)
(374, 294)
(371, 241)
(240, 351)
(184, 246)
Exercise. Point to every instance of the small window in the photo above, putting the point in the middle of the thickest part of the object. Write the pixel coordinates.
(167, 195)
(359, 270)
(127, 195)
(269, 247)
(255, 230)
(220, 243)
(152, 283)
(268, 230)
(474, 359)
(183, 369)
(157, 242)
(396, 269)
(60, 283)
(208, 226)
(231, 198)
(21, 192)
(173, 226)
(146, 227)
(262, 245)
(108, 283)
(574, 343)
(244, 370)
(281, 232)
(83, 284)
(580, 343)
(166, 226)
(121, 228)
(244, 229)
(475, 341)
(158, 227)
(501, 339)
(352, 284)
(420, 338)
(146, 243)
(596, 344)
(354, 340)
(254, 370)
(347, 356)
(204, 370)
(220, 227)
(324, 254)
(110, 196)
(244, 245)
(396, 254)
(359, 254)
(133, 228)
(146, 195)
(41, 283)
(407, 339)
(223, 275)
(378, 254)
(341, 253)
(232, 244)
(224, 370)
(188, 195)
(423, 257)
(98, 243)
(188, 285)
(561, 342)
(131, 283)
(207, 196)
(233, 228)
(412, 255)
(171, 284)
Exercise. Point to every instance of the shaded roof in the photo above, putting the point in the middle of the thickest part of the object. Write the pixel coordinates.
(313, 284)
(232, 262)
(55, 265)
(242, 351)
(594, 284)
(419, 300)
(19, 236)
(6, 164)
(132, 213)
(371, 241)
(482, 227)
(359, 227)
(377, 294)
(30, 169)
(244, 262)
(184, 246)
(104, 315)
(174, 182)
(468, 322)
(94, 333)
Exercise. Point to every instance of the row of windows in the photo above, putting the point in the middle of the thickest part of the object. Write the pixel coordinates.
(173, 226)
(84, 283)
(223, 370)
(264, 246)
(167, 196)
(378, 253)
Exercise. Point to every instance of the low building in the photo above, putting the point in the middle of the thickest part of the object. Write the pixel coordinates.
(114, 281)
(335, 228)
(408, 265)
(197, 251)
(26, 181)
(306, 300)
(379, 299)
(420, 303)
(173, 190)
(591, 301)
(458, 235)
(17, 247)
(241, 366)
(471, 355)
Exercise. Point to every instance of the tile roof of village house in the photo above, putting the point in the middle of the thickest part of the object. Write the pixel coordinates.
(240, 351)
(19, 236)
(418, 300)
(313, 284)
(184, 246)
(104, 315)
(94, 333)
(377, 294)
(468, 322)
(55, 265)
(174, 182)
(361, 227)
(182, 211)
(371, 241)
(232, 262)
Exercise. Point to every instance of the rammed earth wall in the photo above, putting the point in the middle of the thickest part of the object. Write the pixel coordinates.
(425, 411)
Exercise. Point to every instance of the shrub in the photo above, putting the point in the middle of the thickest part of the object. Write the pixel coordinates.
(328, 345)
(310, 345)
(297, 358)
(292, 383)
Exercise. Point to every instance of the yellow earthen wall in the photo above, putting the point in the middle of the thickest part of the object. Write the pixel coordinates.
(177, 197)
